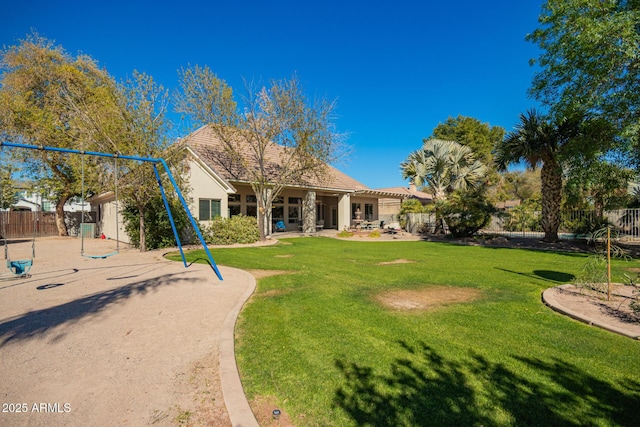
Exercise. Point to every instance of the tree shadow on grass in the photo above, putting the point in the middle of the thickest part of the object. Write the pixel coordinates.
(38, 322)
(426, 389)
(547, 275)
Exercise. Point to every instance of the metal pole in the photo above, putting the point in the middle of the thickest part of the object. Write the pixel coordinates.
(166, 206)
(193, 221)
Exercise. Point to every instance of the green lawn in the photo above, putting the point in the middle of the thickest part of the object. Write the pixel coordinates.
(319, 344)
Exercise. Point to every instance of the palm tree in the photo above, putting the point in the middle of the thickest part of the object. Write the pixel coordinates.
(538, 141)
(443, 167)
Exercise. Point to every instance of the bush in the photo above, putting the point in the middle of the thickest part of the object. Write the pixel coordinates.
(585, 225)
(158, 231)
(227, 231)
(466, 213)
(522, 218)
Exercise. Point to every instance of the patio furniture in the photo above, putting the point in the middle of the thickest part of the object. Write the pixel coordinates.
(280, 226)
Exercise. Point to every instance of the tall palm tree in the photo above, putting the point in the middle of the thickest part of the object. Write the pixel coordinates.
(443, 167)
(538, 141)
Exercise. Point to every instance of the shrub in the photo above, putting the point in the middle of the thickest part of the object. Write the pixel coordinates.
(375, 233)
(586, 224)
(522, 218)
(466, 213)
(158, 231)
(345, 234)
(227, 231)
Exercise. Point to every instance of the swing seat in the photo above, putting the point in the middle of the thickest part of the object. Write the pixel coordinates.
(20, 267)
(101, 256)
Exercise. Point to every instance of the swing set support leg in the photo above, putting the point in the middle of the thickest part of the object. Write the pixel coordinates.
(191, 219)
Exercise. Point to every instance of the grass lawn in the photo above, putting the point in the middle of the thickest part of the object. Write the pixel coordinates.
(319, 343)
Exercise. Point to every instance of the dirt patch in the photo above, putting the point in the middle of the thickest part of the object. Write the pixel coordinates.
(259, 274)
(263, 408)
(427, 298)
(284, 256)
(397, 261)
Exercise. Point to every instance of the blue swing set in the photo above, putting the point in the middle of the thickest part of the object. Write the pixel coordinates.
(23, 266)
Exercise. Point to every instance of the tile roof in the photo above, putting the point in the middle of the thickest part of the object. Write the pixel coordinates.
(213, 151)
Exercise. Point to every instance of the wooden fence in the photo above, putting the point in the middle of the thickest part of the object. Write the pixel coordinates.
(24, 224)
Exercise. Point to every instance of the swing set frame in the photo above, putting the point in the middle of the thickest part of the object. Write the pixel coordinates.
(155, 162)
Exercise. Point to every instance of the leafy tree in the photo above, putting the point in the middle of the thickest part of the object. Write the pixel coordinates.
(600, 184)
(518, 185)
(442, 167)
(38, 88)
(278, 138)
(143, 105)
(7, 189)
(538, 140)
(480, 137)
(590, 59)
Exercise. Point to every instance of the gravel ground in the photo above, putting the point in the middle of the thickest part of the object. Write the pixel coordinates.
(127, 340)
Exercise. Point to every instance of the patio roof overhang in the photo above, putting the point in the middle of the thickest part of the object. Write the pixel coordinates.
(380, 194)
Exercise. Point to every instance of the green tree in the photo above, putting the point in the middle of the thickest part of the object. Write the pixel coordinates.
(7, 188)
(590, 59)
(480, 137)
(443, 167)
(600, 185)
(538, 140)
(39, 86)
(518, 185)
(277, 138)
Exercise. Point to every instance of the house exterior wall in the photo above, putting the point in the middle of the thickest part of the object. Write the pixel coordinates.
(107, 224)
(203, 187)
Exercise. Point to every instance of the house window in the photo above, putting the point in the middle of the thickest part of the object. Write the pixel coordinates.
(295, 210)
(356, 212)
(368, 211)
(208, 209)
(277, 209)
(234, 205)
(294, 214)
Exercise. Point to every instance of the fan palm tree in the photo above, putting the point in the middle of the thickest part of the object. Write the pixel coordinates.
(537, 141)
(443, 167)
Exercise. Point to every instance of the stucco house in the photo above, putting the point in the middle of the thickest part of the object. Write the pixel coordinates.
(218, 187)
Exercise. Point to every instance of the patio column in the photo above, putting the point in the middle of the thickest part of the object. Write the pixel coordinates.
(309, 212)
(344, 212)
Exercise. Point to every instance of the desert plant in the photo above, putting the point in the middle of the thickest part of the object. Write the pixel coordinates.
(596, 274)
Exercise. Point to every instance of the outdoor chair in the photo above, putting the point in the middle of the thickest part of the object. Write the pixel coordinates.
(280, 226)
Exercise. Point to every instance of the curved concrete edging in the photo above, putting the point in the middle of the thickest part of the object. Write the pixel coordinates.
(235, 400)
(549, 299)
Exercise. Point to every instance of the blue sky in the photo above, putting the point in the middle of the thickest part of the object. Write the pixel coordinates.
(397, 69)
